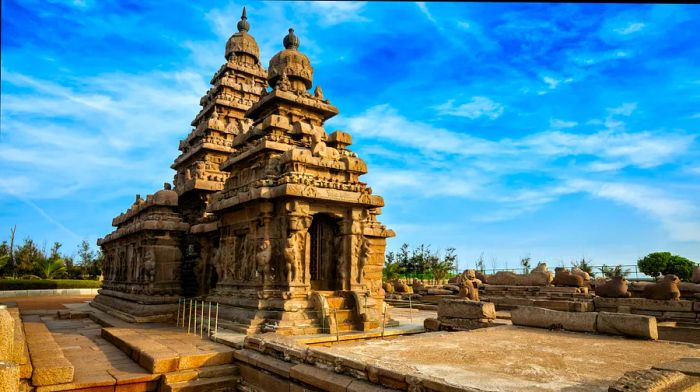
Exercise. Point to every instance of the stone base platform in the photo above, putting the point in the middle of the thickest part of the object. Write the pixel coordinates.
(137, 308)
(81, 360)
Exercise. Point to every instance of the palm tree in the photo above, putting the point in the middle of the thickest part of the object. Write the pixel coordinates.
(50, 266)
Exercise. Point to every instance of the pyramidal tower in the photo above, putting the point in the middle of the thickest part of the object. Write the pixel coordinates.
(268, 216)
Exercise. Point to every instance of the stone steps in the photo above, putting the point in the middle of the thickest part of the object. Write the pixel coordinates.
(202, 384)
(165, 351)
(50, 366)
(182, 376)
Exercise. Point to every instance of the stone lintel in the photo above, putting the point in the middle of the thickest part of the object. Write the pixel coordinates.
(200, 185)
(298, 190)
(204, 147)
(204, 227)
(292, 99)
(143, 226)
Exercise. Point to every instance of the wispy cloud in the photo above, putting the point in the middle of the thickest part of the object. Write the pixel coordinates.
(475, 108)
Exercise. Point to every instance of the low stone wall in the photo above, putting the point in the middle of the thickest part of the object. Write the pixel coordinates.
(632, 325)
(270, 365)
(679, 311)
(33, 293)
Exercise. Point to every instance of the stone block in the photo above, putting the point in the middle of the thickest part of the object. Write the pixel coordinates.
(465, 309)
(633, 325)
(545, 318)
(7, 333)
(679, 315)
(319, 378)
(645, 304)
(431, 324)
(159, 362)
(51, 370)
(689, 366)
(447, 323)
(652, 380)
(9, 376)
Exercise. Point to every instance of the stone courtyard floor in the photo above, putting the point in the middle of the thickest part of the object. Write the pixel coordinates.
(516, 358)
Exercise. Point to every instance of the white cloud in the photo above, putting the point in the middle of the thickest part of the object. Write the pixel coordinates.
(559, 124)
(551, 82)
(626, 109)
(457, 164)
(475, 108)
(424, 10)
(630, 28)
(331, 13)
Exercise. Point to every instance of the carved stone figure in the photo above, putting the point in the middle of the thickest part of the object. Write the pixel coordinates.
(613, 288)
(665, 289)
(565, 278)
(262, 259)
(583, 274)
(696, 274)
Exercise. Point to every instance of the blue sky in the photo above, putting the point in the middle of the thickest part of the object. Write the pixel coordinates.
(550, 130)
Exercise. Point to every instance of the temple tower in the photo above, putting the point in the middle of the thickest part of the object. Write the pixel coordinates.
(236, 86)
(298, 229)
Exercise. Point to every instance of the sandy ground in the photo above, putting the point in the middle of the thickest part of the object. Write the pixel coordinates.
(46, 302)
(510, 358)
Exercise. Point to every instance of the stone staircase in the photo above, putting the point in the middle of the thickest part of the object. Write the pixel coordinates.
(341, 312)
(208, 378)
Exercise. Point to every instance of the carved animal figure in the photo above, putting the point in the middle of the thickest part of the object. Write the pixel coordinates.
(696, 274)
(482, 277)
(565, 278)
(538, 277)
(583, 274)
(401, 287)
(469, 290)
(664, 290)
(418, 286)
(388, 287)
(613, 288)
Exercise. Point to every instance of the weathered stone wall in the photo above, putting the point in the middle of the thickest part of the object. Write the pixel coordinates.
(682, 311)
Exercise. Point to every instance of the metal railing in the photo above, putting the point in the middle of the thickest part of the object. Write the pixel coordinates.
(201, 318)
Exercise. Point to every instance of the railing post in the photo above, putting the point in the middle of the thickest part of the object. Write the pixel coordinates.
(201, 322)
(216, 322)
(337, 333)
(189, 319)
(177, 320)
(194, 325)
(410, 308)
(383, 319)
(209, 321)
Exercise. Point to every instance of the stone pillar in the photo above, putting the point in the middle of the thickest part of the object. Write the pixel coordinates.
(7, 333)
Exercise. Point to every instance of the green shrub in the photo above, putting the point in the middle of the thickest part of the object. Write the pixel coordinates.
(19, 284)
(665, 263)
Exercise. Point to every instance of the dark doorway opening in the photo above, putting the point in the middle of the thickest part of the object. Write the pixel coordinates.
(324, 232)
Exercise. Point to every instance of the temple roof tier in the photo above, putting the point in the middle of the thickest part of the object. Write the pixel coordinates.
(305, 101)
(297, 190)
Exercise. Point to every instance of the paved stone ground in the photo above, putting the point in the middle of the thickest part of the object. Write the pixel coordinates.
(97, 362)
(46, 302)
(516, 358)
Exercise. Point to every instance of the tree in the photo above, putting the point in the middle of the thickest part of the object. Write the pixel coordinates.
(480, 263)
(584, 265)
(49, 267)
(525, 262)
(392, 268)
(611, 272)
(666, 263)
(9, 266)
(441, 267)
(28, 256)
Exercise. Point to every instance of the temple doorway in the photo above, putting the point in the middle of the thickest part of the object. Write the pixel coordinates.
(324, 233)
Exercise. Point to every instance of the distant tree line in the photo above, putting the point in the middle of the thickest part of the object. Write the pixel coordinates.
(420, 262)
(29, 260)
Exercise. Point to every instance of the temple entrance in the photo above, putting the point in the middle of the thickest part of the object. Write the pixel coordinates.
(323, 268)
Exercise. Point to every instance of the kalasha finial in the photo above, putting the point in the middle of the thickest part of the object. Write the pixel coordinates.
(243, 24)
(291, 41)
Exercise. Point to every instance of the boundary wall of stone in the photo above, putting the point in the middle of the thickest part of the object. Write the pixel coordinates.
(275, 366)
(34, 293)
(632, 325)
(679, 311)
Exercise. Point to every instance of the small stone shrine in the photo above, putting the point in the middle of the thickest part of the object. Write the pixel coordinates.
(268, 216)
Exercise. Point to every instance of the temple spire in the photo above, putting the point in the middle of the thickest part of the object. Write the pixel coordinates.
(243, 24)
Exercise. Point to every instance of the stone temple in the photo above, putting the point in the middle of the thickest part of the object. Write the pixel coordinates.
(267, 216)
